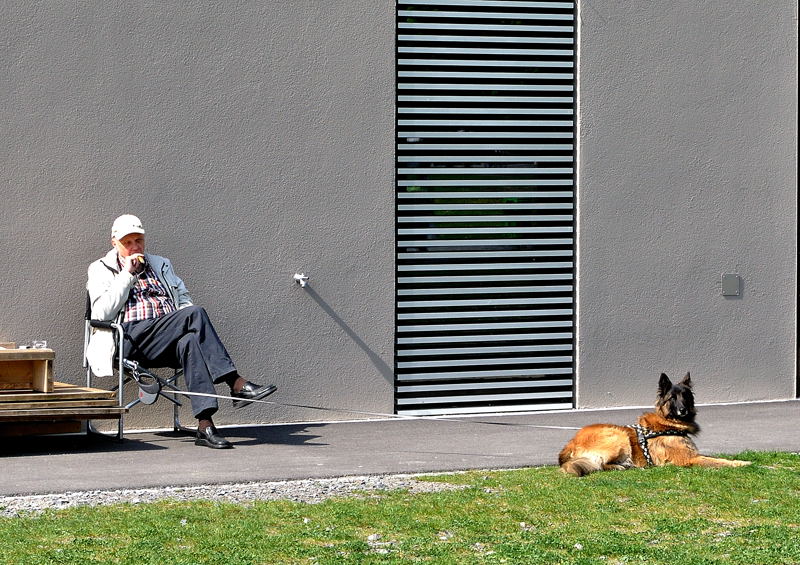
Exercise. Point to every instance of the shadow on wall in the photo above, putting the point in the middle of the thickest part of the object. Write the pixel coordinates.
(374, 358)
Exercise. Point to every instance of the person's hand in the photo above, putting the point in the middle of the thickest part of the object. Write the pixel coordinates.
(134, 264)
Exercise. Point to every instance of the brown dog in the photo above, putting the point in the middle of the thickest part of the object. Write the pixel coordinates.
(660, 438)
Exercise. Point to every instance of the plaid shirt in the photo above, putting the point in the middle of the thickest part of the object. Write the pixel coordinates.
(148, 298)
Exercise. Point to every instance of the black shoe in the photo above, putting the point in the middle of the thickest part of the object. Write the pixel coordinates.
(250, 392)
(210, 438)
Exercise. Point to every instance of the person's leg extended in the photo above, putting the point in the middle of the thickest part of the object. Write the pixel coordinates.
(185, 339)
(203, 347)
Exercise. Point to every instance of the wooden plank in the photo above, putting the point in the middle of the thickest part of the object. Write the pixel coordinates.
(27, 354)
(59, 387)
(61, 414)
(61, 391)
(16, 374)
(14, 385)
(11, 407)
(8, 345)
(43, 375)
(9, 429)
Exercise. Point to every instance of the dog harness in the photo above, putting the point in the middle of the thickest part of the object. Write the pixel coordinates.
(643, 434)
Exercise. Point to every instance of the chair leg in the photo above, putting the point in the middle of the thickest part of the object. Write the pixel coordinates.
(174, 401)
(177, 427)
(91, 430)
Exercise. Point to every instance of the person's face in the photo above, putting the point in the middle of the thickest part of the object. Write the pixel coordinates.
(131, 244)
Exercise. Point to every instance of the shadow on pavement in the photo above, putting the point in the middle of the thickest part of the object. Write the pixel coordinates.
(287, 434)
(70, 444)
(149, 441)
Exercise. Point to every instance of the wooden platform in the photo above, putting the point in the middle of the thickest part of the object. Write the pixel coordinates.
(28, 412)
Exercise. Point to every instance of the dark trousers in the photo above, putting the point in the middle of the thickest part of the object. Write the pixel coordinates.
(183, 339)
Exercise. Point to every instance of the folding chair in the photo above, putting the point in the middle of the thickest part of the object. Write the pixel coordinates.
(150, 386)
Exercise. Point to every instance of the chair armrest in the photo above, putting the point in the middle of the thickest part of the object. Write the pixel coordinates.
(103, 325)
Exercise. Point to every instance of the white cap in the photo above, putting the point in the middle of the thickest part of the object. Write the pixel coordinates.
(126, 224)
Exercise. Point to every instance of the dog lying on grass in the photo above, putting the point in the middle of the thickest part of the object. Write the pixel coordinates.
(660, 438)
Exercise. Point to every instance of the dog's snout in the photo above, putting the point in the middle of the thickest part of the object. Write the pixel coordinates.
(681, 409)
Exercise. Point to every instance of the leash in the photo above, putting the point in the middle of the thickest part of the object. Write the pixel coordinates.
(364, 413)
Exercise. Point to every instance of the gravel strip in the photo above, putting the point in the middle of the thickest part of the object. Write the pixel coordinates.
(307, 490)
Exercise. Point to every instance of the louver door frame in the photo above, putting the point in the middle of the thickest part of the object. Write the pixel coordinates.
(485, 299)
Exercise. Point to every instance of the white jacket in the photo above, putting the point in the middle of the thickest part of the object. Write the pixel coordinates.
(108, 292)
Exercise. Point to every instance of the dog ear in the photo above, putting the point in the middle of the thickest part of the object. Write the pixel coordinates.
(687, 380)
(664, 384)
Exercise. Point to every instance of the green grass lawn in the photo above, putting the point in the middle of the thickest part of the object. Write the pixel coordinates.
(748, 515)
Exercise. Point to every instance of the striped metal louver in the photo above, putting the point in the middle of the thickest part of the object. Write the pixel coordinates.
(485, 196)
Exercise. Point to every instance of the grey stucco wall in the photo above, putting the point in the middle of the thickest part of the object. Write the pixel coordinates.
(255, 139)
(687, 170)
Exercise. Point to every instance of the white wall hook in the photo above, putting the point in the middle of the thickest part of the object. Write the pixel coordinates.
(300, 279)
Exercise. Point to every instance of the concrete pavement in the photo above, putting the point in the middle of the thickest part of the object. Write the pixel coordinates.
(317, 450)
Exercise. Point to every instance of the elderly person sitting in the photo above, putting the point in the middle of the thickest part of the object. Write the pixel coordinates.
(162, 327)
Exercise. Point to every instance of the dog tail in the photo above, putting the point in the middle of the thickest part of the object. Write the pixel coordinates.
(580, 466)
